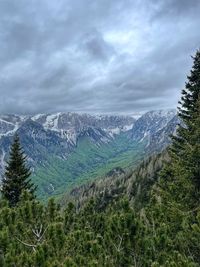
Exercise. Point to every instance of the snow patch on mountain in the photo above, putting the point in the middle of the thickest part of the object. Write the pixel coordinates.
(150, 123)
(118, 130)
(37, 116)
(52, 122)
(69, 135)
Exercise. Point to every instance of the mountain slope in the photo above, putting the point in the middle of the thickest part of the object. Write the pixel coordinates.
(161, 138)
(150, 123)
(133, 183)
(86, 162)
(56, 133)
(68, 149)
(65, 121)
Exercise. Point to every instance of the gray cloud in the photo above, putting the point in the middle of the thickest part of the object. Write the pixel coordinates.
(103, 56)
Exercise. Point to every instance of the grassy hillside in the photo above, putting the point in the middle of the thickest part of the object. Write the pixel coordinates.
(85, 163)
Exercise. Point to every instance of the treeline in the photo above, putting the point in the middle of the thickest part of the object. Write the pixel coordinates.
(149, 218)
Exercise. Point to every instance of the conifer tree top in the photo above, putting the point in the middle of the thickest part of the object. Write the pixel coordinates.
(191, 92)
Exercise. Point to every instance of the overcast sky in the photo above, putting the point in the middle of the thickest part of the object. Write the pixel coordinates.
(96, 56)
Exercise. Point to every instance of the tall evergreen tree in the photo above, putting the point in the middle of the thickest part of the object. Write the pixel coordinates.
(16, 178)
(187, 140)
(172, 216)
(189, 106)
(191, 160)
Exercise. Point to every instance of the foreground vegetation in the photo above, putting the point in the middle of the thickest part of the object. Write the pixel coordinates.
(149, 218)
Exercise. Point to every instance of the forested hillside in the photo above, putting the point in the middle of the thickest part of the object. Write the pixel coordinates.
(134, 184)
(149, 217)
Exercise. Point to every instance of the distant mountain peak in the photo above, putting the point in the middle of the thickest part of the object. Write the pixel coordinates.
(151, 122)
(161, 112)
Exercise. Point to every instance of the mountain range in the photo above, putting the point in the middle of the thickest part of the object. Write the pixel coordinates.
(68, 149)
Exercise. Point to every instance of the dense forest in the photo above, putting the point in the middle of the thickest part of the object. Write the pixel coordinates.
(148, 217)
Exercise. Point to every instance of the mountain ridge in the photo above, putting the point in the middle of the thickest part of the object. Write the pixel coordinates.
(77, 148)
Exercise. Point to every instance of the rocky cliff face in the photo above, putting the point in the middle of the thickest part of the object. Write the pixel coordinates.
(150, 123)
(161, 138)
(67, 121)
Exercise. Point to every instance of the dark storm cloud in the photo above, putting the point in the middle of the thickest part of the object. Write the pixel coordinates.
(95, 56)
(96, 46)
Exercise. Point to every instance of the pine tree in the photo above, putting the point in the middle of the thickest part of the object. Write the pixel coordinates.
(16, 178)
(191, 161)
(187, 140)
(173, 212)
(189, 107)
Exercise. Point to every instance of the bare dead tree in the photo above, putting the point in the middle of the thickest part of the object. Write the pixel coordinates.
(38, 234)
(119, 246)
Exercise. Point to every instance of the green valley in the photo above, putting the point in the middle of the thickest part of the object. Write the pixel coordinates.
(87, 162)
